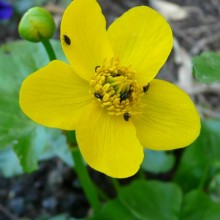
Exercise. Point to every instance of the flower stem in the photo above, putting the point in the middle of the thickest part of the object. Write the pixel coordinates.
(102, 194)
(141, 174)
(204, 177)
(116, 184)
(87, 185)
(49, 49)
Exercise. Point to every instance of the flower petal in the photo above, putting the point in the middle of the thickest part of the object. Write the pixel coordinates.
(109, 143)
(6, 10)
(83, 27)
(169, 118)
(54, 96)
(142, 38)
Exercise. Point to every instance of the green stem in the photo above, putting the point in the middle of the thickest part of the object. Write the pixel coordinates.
(141, 174)
(101, 194)
(49, 49)
(204, 177)
(116, 184)
(87, 185)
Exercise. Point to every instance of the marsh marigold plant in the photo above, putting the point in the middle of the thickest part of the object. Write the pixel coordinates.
(107, 92)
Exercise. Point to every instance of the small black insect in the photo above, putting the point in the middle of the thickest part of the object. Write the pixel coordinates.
(96, 68)
(66, 39)
(126, 116)
(98, 96)
(145, 88)
(124, 96)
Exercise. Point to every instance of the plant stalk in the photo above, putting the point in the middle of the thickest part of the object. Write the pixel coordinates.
(49, 49)
(87, 185)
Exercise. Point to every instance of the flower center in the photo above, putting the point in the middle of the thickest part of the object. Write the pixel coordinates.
(115, 88)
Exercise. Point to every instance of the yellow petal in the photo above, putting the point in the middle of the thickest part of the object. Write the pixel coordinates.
(142, 38)
(109, 143)
(83, 27)
(168, 118)
(54, 96)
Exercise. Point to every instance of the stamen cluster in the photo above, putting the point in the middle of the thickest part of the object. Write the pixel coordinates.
(115, 88)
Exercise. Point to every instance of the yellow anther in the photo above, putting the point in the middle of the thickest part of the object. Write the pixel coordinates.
(112, 92)
(106, 97)
(106, 87)
(116, 101)
(105, 104)
(111, 108)
(98, 87)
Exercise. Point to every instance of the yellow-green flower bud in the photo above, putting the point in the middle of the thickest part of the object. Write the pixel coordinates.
(36, 25)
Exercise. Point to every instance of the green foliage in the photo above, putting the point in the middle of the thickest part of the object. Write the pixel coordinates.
(206, 67)
(22, 5)
(201, 159)
(156, 200)
(144, 200)
(28, 140)
(113, 210)
(57, 217)
(199, 169)
(9, 163)
(158, 161)
(197, 205)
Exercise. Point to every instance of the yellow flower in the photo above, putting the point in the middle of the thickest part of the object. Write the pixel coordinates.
(107, 93)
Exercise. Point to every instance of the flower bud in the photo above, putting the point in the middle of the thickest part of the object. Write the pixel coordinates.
(36, 25)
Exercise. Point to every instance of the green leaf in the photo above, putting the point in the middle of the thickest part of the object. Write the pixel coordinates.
(200, 158)
(214, 185)
(23, 5)
(29, 140)
(158, 161)
(114, 210)
(144, 200)
(9, 163)
(55, 146)
(152, 200)
(56, 217)
(206, 67)
(197, 205)
(213, 213)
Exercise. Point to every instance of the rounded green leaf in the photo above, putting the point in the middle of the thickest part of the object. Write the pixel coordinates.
(197, 205)
(206, 67)
(150, 200)
(200, 158)
(30, 141)
(9, 163)
(158, 161)
(114, 210)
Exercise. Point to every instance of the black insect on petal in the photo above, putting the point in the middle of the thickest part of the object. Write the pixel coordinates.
(66, 39)
(98, 96)
(126, 116)
(96, 68)
(145, 88)
(124, 96)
